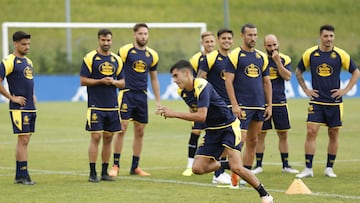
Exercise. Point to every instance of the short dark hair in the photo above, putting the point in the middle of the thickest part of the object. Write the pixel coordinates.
(224, 30)
(19, 35)
(327, 27)
(247, 25)
(104, 32)
(181, 64)
(139, 25)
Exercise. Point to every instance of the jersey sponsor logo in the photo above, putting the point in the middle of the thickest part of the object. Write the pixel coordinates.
(273, 73)
(252, 71)
(28, 73)
(106, 68)
(139, 66)
(324, 70)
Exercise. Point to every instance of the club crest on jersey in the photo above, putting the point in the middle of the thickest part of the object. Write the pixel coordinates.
(252, 71)
(147, 54)
(106, 68)
(273, 73)
(28, 72)
(324, 70)
(333, 55)
(139, 66)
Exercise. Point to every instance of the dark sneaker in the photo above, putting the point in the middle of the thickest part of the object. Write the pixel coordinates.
(93, 179)
(24, 180)
(106, 178)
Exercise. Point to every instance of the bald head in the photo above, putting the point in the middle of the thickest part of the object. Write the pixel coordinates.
(271, 43)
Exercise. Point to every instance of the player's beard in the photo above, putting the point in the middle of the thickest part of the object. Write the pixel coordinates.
(141, 43)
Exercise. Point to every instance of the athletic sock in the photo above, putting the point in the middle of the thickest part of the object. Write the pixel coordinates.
(193, 144)
(135, 162)
(225, 164)
(92, 169)
(117, 159)
(21, 168)
(261, 190)
(284, 160)
(104, 168)
(309, 160)
(248, 167)
(259, 159)
(330, 160)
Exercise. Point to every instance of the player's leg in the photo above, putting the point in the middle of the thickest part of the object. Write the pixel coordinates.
(284, 152)
(137, 148)
(251, 141)
(93, 152)
(203, 165)
(118, 146)
(105, 155)
(236, 167)
(192, 146)
(332, 151)
(260, 149)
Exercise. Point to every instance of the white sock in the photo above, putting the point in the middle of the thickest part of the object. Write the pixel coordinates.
(190, 162)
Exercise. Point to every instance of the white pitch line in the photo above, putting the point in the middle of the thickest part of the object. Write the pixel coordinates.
(83, 173)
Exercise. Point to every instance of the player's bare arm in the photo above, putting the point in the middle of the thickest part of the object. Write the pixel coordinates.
(311, 93)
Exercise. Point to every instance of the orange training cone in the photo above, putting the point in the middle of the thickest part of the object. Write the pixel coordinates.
(298, 187)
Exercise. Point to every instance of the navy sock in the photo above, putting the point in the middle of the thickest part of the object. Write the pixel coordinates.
(259, 159)
(224, 164)
(135, 162)
(330, 160)
(261, 190)
(104, 168)
(248, 167)
(309, 160)
(22, 167)
(117, 159)
(193, 144)
(92, 169)
(284, 160)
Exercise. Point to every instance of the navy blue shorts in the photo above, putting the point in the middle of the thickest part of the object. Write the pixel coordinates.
(23, 121)
(103, 120)
(247, 115)
(280, 118)
(329, 115)
(214, 140)
(134, 106)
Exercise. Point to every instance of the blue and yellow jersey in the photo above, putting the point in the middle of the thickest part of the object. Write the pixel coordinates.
(278, 83)
(204, 95)
(249, 69)
(137, 64)
(213, 66)
(325, 69)
(195, 61)
(19, 75)
(99, 66)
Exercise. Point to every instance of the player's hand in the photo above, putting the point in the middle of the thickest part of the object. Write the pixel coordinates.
(337, 93)
(236, 111)
(107, 80)
(165, 112)
(275, 56)
(312, 93)
(19, 100)
(267, 113)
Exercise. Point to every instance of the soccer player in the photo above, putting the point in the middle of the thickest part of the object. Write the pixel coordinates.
(211, 68)
(208, 43)
(325, 62)
(101, 72)
(280, 71)
(139, 62)
(248, 86)
(222, 133)
(18, 70)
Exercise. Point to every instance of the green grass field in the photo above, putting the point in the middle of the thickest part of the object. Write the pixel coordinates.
(58, 162)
